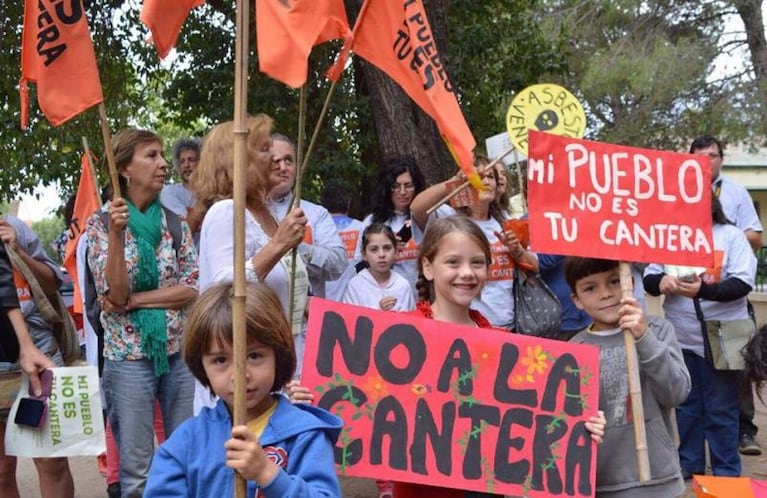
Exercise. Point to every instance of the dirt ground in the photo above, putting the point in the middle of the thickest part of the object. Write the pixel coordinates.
(90, 484)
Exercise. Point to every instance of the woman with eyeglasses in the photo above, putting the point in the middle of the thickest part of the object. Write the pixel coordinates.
(398, 183)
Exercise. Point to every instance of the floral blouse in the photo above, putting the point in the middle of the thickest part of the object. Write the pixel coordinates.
(121, 342)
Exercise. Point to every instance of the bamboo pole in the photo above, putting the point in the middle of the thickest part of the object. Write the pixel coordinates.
(239, 341)
(466, 183)
(296, 200)
(108, 152)
(635, 385)
(520, 181)
(88, 161)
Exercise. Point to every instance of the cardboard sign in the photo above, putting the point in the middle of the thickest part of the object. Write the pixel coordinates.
(544, 107)
(614, 202)
(73, 426)
(441, 404)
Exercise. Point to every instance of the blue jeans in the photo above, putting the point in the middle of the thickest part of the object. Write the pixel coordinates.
(130, 389)
(710, 414)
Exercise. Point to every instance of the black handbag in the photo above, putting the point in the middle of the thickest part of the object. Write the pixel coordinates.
(537, 310)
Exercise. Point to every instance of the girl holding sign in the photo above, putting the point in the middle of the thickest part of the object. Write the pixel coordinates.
(496, 301)
(453, 265)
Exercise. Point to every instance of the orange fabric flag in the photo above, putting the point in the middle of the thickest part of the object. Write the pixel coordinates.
(86, 203)
(57, 54)
(286, 31)
(164, 19)
(395, 36)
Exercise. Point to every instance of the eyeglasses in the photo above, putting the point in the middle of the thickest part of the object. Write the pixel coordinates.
(407, 187)
(288, 160)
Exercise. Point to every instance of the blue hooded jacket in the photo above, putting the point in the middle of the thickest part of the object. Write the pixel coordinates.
(299, 438)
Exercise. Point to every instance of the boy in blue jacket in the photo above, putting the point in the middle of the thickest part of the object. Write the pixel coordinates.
(285, 450)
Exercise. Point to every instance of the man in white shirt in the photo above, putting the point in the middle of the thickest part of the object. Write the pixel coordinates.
(322, 249)
(739, 209)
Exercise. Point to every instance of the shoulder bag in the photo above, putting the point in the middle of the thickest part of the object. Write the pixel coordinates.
(53, 311)
(724, 340)
(537, 310)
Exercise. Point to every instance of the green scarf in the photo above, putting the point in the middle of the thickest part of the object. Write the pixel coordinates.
(150, 323)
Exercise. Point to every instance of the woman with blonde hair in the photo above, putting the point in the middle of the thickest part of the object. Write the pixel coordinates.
(267, 243)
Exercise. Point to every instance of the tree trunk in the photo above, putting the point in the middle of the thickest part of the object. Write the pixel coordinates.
(750, 12)
(401, 126)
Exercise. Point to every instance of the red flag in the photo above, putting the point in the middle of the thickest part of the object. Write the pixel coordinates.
(286, 31)
(57, 54)
(87, 201)
(396, 37)
(164, 19)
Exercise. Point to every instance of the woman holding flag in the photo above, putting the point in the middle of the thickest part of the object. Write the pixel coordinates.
(268, 244)
(145, 279)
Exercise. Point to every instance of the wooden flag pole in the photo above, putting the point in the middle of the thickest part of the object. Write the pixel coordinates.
(635, 385)
(466, 183)
(520, 182)
(88, 161)
(296, 200)
(111, 164)
(241, 131)
(331, 91)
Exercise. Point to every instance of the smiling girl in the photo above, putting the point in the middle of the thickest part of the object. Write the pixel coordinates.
(453, 267)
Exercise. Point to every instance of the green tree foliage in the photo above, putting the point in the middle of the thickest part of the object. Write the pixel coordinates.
(195, 90)
(44, 154)
(645, 70)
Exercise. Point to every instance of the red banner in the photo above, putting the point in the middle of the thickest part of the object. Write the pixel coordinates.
(57, 54)
(441, 404)
(614, 202)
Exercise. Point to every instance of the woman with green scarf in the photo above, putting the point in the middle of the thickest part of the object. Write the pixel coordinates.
(145, 286)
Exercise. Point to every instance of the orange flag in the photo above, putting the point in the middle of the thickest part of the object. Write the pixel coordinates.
(87, 201)
(57, 54)
(164, 19)
(286, 31)
(395, 36)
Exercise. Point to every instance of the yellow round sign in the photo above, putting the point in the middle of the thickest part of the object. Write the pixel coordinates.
(545, 107)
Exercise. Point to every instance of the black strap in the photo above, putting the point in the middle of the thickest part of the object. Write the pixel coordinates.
(698, 310)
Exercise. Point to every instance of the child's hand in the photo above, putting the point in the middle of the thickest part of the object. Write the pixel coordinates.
(632, 318)
(387, 303)
(245, 455)
(596, 426)
(298, 393)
